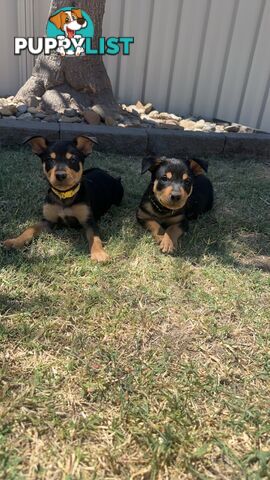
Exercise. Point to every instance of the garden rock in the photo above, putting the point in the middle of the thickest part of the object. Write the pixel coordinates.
(143, 115)
(40, 115)
(8, 110)
(22, 108)
(25, 116)
(33, 110)
(51, 118)
(91, 117)
(99, 110)
(70, 112)
(110, 122)
(34, 101)
(200, 124)
(65, 119)
(187, 124)
(234, 128)
(153, 114)
(148, 108)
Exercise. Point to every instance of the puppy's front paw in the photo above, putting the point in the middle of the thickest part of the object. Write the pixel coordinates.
(100, 256)
(166, 244)
(159, 238)
(12, 243)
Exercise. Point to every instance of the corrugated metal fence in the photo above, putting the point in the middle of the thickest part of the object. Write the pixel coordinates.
(206, 57)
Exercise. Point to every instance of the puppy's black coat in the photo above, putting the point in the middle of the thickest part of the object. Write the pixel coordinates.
(179, 191)
(201, 199)
(76, 198)
(98, 189)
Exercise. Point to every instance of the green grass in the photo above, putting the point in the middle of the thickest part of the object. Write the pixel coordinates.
(150, 366)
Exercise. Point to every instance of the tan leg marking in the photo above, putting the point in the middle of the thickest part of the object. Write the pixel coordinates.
(26, 236)
(156, 230)
(96, 249)
(170, 239)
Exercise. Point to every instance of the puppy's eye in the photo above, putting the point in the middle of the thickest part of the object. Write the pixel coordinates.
(73, 17)
(164, 178)
(67, 20)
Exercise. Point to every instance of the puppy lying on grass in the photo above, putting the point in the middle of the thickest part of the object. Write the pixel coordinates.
(179, 191)
(76, 198)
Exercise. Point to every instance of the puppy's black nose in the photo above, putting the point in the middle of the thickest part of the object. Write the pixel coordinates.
(80, 21)
(61, 176)
(175, 197)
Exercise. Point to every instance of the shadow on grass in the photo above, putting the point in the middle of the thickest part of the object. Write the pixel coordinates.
(205, 237)
(238, 225)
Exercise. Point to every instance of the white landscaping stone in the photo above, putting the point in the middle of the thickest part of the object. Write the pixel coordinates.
(175, 117)
(154, 114)
(188, 124)
(8, 110)
(99, 110)
(164, 116)
(148, 108)
(200, 124)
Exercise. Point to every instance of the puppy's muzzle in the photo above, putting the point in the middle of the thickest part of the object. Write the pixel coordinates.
(175, 197)
(60, 176)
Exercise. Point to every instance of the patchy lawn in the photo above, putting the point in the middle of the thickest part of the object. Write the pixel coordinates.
(150, 366)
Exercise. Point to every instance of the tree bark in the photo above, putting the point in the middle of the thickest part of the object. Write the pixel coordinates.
(77, 82)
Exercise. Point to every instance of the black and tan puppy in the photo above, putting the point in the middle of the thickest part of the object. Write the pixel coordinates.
(75, 197)
(179, 191)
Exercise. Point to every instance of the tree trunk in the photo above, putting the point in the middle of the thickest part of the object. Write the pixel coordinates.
(77, 82)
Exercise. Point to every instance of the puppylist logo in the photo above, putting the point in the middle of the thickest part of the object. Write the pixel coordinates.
(70, 32)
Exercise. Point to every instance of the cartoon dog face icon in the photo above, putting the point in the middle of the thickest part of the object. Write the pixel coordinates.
(69, 21)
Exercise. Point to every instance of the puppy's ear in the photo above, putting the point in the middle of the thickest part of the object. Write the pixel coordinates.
(57, 20)
(198, 166)
(39, 144)
(151, 162)
(85, 144)
(77, 12)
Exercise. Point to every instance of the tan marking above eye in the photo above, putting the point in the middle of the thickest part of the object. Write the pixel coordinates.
(53, 155)
(69, 155)
(185, 176)
(169, 175)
